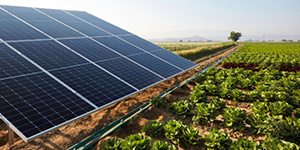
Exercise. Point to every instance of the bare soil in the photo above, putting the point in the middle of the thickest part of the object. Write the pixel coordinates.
(73, 133)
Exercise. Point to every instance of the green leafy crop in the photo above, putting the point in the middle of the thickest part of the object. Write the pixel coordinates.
(218, 103)
(113, 144)
(136, 142)
(260, 107)
(198, 96)
(280, 145)
(181, 108)
(234, 118)
(173, 131)
(190, 135)
(205, 112)
(291, 127)
(158, 101)
(160, 145)
(245, 144)
(281, 108)
(217, 140)
(153, 129)
(255, 121)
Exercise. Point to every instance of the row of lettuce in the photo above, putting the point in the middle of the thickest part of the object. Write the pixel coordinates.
(176, 132)
(255, 56)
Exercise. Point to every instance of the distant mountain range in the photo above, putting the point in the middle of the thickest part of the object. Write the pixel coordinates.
(186, 39)
(213, 35)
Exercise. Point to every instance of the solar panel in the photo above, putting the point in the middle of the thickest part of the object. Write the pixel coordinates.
(48, 54)
(58, 66)
(36, 103)
(99, 22)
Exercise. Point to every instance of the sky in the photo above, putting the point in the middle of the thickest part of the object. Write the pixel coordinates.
(152, 18)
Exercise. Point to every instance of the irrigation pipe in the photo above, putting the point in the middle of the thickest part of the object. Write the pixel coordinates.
(102, 133)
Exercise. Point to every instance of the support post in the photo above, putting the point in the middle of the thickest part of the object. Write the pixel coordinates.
(10, 136)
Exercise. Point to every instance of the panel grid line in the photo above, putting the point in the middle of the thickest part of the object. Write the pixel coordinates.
(100, 44)
(48, 73)
(125, 41)
(72, 51)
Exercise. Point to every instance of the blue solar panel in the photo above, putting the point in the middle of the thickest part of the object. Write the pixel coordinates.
(75, 23)
(119, 45)
(12, 64)
(160, 67)
(48, 54)
(90, 49)
(99, 22)
(145, 45)
(174, 59)
(26, 13)
(17, 30)
(93, 83)
(137, 76)
(36, 103)
(5, 16)
(85, 65)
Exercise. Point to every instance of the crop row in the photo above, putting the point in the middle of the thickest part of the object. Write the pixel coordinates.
(176, 132)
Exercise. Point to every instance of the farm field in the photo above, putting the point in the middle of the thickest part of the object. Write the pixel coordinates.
(196, 50)
(180, 46)
(73, 133)
(228, 107)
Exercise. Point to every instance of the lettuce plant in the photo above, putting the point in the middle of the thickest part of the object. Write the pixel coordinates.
(224, 93)
(255, 121)
(237, 95)
(181, 108)
(291, 127)
(190, 135)
(260, 107)
(217, 140)
(205, 112)
(281, 108)
(245, 144)
(200, 78)
(234, 118)
(136, 142)
(198, 96)
(218, 103)
(251, 96)
(160, 145)
(174, 131)
(113, 144)
(280, 145)
(153, 129)
(158, 101)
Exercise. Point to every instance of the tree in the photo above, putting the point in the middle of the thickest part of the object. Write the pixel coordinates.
(234, 36)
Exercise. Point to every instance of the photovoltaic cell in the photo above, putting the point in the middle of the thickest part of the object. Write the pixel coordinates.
(5, 16)
(99, 22)
(35, 103)
(137, 76)
(48, 54)
(55, 29)
(145, 45)
(26, 13)
(93, 83)
(160, 67)
(17, 30)
(174, 59)
(90, 49)
(12, 64)
(75, 23)
(119, 45)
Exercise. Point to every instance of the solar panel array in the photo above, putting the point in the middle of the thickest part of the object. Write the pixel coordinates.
(57, 66)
